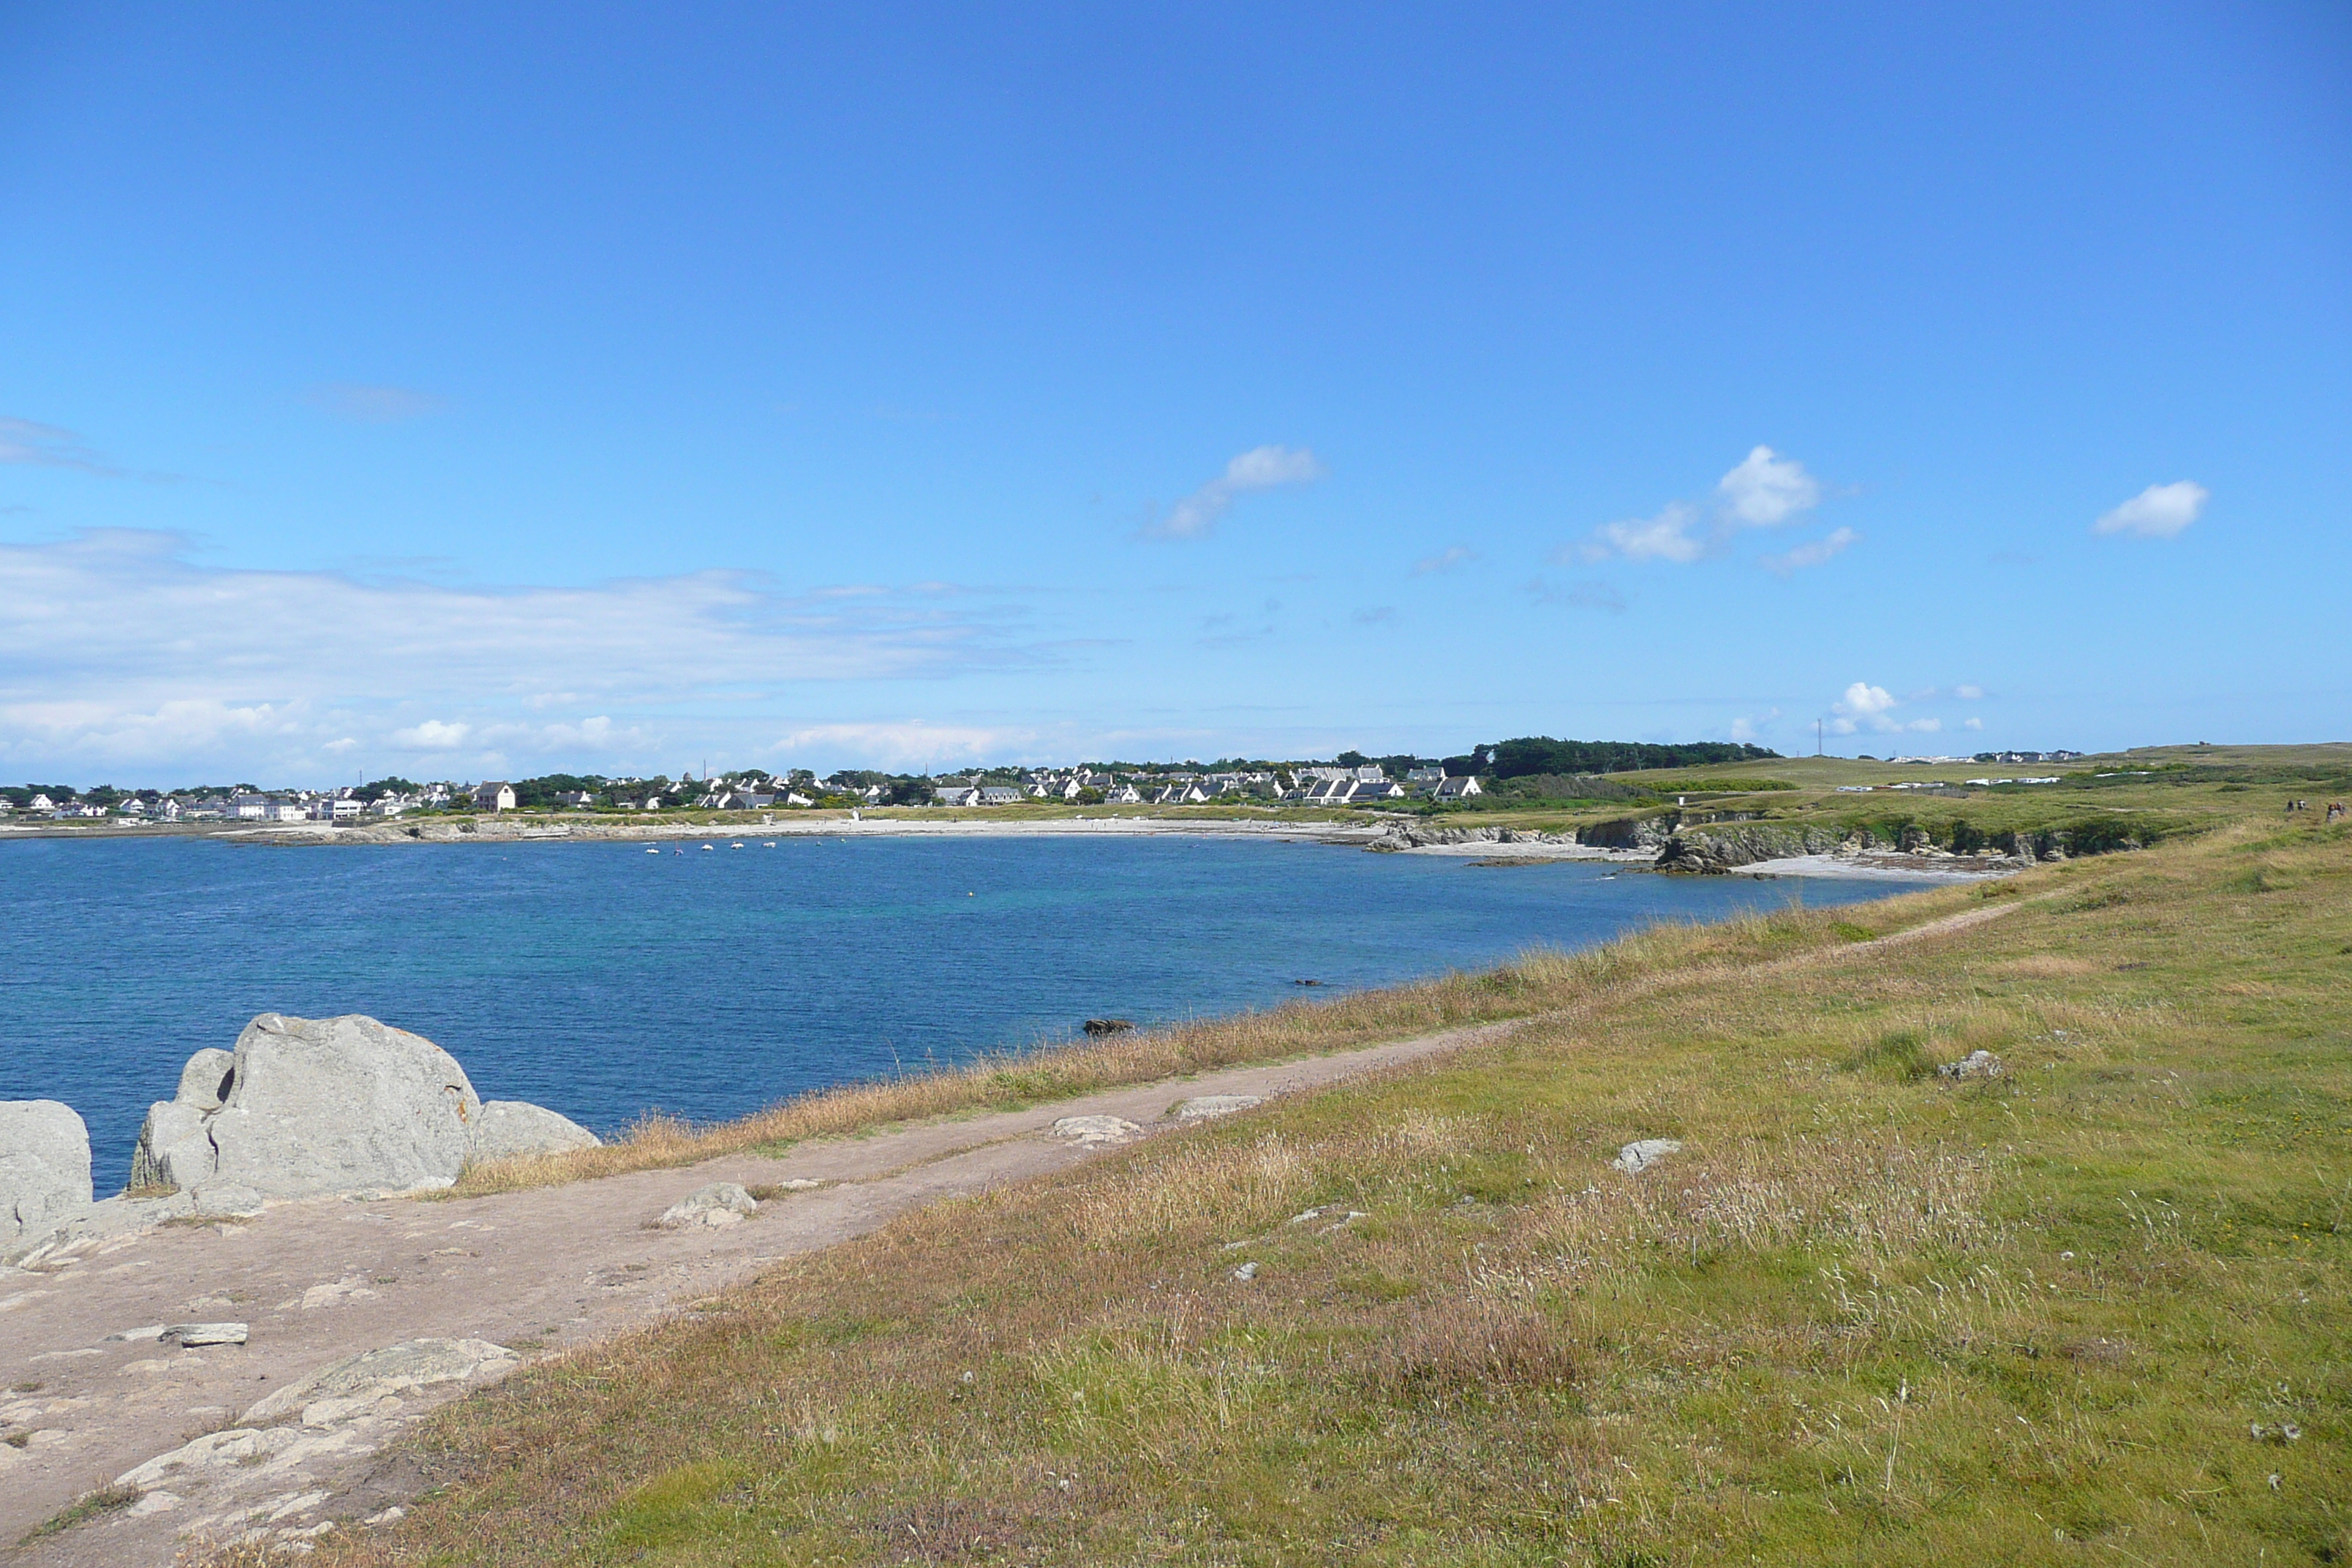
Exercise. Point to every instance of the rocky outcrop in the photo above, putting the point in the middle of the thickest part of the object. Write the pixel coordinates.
(510, 1127)
(1726, 847)
(44, 1166)
(307, 1107)
(1630, 833)
(1400, 835)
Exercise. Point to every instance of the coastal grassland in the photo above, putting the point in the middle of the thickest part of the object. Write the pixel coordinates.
(2090, 1310)
(1538, 980)
(2142, 797)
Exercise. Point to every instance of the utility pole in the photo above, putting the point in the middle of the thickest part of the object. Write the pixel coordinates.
(1817, 737)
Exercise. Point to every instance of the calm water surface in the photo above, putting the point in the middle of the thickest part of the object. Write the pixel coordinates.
(604, 981)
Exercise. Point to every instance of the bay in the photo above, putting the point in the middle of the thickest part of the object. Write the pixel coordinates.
(605, 982)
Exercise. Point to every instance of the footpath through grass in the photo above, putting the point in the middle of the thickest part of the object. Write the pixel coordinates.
(2090, 1310)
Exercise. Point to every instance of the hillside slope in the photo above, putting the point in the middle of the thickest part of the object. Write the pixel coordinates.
(2090, 1310)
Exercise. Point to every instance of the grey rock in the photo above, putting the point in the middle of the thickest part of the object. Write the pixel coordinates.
(191, 1335)
(173, 1150)
(1203, 1106)
(1246, 1272)
(1976, 1064)
(394, 1370)
(226, 1198)
(205, 1081)
(44, 1166)
(1643, 1152)
(84, 1229)
(510, 1127)
(721, 1203)
(1096, 1129)
(317, 1106)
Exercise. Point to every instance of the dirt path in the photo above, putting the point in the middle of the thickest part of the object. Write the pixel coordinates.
(538, 1271)
(322, 1281)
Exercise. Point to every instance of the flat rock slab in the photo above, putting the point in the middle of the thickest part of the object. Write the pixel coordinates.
(1096, 1129)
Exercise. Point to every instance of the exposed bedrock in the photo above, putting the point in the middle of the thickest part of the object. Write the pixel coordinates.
(44, 1165)
(1725, 847)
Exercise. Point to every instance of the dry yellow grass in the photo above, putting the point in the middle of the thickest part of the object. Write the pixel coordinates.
(1868, 1314)
(1539, 981)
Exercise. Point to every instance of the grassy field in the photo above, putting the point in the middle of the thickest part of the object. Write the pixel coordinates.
(2092, 1309)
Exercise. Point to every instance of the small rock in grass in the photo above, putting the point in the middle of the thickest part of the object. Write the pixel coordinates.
(1976, 1064)
(1247, 1272)
(1645, 1153)
(721, 1203)
(1096, 1129)
(1206, 1105)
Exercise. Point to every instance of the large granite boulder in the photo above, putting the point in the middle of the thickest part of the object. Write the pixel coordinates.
(507, 1126)
(44, 1165)
(312, 1105)
(305, 1106)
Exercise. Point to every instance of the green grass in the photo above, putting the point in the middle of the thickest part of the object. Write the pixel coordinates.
(1867, 1315)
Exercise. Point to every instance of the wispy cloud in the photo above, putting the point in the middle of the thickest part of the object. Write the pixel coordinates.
(1445, 560)
(1749, 728)
(1666, 537)
(116, 647)
(24, 442)
(913, 743)
(1810, 554)
(364, 404)
(1375, 615)
(2159, 511)
(1584, 596)
(1764, 491)
(1259, 469)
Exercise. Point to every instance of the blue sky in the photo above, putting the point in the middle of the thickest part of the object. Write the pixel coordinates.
(461, 392)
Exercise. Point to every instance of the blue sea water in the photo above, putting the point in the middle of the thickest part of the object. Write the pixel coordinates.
(603, 981)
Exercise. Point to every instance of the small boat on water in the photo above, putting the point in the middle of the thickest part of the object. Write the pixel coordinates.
(652, 851)
(706, 849)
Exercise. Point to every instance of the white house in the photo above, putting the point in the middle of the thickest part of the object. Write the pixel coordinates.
(496, 796)
(1461, 788)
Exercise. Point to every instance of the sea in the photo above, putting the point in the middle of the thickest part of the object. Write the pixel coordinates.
(606, 981)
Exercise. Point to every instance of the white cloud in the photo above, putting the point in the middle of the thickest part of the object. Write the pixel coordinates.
(1864, 700)
(1865, 706)
(1445, 560)
(1666, 537)
(116, 649)
(2159, 511)
(433, 735)
(1747, 729)
(1585, 595)
(1811, 554)
(1971, 723)
(1767, 489)
(1259, 469)
(1968, 693)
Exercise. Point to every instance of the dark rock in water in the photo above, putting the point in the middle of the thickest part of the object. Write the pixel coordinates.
(1096, 1029)
(1306, 982)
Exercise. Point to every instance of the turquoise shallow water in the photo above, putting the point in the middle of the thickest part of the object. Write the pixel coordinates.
(604, 981)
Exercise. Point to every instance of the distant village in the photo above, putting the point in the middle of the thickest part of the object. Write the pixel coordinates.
(1362, 783)
(1533, 766)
